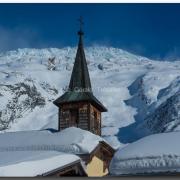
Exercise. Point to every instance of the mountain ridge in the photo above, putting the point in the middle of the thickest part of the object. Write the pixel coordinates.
(112, 71)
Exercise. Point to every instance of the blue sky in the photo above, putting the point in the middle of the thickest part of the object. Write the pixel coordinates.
(151, 30)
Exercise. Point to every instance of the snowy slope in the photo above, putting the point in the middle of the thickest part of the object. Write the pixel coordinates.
(155, 153)
(131, 87)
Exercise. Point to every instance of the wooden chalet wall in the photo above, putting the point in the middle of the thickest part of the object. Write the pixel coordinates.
(97, 162)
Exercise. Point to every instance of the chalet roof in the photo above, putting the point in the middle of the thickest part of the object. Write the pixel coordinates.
(70, 140)
(47, 152)
(80, 84)
(35, 163)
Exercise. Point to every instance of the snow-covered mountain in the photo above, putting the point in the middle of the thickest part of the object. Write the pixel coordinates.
(142, 95)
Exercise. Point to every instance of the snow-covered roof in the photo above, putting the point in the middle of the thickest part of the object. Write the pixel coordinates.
(154, 153)
(70, 140)
(33, 163)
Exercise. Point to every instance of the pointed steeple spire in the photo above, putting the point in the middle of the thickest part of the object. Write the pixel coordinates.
(80, 85)
(80, 76)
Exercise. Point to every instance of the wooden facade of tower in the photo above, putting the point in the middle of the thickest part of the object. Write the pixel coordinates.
(78, 106)
(80, 114)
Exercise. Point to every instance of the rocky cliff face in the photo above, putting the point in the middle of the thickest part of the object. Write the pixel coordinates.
(165, 113)
(166, 117)
(20, 99)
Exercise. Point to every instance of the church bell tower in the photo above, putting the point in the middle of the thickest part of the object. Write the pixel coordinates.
(78, 106)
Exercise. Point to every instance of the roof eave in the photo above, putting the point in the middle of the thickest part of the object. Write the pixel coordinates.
(100, 107)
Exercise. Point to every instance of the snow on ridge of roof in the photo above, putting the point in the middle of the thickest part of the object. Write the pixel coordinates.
(71, 140)
(154, 153)
(33, 163)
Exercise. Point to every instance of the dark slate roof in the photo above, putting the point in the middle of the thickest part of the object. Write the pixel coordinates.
(80, 84)
(73, 96)
(80, 75)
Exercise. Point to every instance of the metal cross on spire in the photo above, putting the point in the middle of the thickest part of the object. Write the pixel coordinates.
(81, 23)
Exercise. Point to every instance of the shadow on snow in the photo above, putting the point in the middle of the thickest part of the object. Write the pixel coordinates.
(135, 131)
